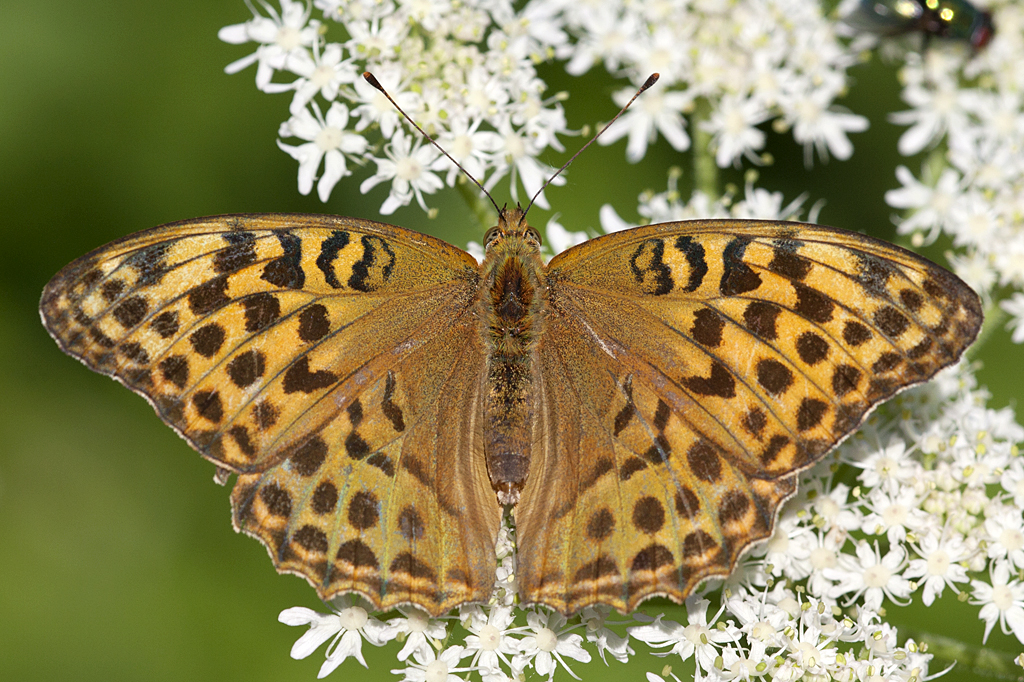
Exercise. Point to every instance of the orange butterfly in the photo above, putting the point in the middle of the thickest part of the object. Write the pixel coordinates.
(644, 402)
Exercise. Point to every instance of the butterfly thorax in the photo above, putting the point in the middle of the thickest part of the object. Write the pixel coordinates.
(511, 300)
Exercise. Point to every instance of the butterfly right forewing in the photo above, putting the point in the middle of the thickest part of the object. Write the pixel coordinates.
(691, 370)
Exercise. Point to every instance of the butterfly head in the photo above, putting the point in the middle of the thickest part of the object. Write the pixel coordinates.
(511, 225)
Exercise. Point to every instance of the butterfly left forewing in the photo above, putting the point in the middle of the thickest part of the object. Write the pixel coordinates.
(714, 360)
(305, 353)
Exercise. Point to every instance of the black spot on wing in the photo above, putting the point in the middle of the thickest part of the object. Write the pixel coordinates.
(921, 349)
(240, 252)
(648, 515)
(737, 277)
(602, 466)
(391, 409)
(786, 262)
(240, 435)
(356, 446)
(382, 462)
(260, 310)
(813, 304)
(845, 378)
(358, 554)
(329, 250)
(311, 539)
(285, 271)
(174, 369)
(600, 525)
(277, 500)
(208, 339)
(90, 278)
(363, 510)
(760, 317)
(373, 270)
(264, 415)
(719, 382)
(774, 447)
(648, 266)
(755, 421)
(704, 461)
(325, 498)
(695, 258)
(855, 333)
(652, 557)
(300, 378)
(111, 289)
(410, 524)
(733, 507)
(661, 415)
(166, 324)
(625, 415)
(873, 274)
(208, 405)
(891, 322)
(209, 296)
(411, 566)
(150, 264)
(630, 467)
(886, 362)
(246, 368)
(812, 348)
(131, 312)
(307, 459)
(773, 376)
(911, 299)
(135, 352)
(313, 323)
(707, 327)
(810, 413)
(687, 503)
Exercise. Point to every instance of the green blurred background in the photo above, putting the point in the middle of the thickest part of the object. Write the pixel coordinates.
(117, 558)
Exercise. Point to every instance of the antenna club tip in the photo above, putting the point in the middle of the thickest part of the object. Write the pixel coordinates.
(651, 80)
(372, 80)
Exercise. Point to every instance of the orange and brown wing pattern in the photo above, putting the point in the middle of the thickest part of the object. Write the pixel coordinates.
(307, 354)
(691, 369)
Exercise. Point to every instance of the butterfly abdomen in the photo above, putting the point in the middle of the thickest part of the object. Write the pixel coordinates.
(511, 304)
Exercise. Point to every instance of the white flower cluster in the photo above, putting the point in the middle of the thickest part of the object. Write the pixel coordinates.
(733, 65)
(968, 110)
(466, 72)
(496, 647)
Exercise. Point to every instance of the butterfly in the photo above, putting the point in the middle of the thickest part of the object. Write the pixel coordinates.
(642, 404)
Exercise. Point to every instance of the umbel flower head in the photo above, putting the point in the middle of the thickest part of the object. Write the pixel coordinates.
(925, 502)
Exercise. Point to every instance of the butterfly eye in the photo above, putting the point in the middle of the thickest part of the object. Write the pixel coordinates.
(490, 236)
(534, 235)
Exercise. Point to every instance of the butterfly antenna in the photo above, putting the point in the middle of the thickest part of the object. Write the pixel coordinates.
(651, 80)
(369, 78)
